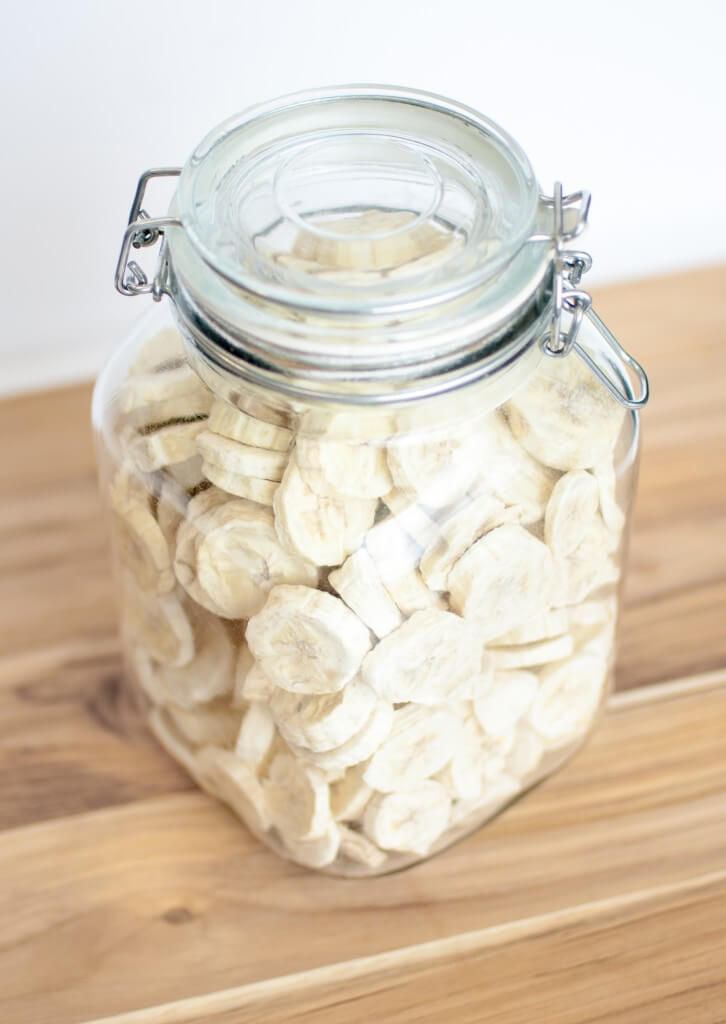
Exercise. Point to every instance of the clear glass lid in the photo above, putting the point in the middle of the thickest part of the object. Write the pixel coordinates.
(362, 199)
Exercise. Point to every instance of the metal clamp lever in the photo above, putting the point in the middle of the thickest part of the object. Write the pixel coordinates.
(143, 231)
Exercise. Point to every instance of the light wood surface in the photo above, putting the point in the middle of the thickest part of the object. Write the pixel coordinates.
(601, 896)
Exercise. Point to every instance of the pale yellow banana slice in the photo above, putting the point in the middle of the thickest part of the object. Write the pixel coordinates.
(571, 511)
(297, 798)
(463, 774)
(323, 530)
(256, 735)
(612, 513)
(458, 531)
(307, 641)
(358, 848)
(241, 459)
(568, 697)
(157, 622)
(505, 702)
(166, 444)
(396, 558)
(233, 782)
(251, 683)
(176, 381)
(239, 426)
(192, 406)
(314, 853)
(335, 468)
(592, 613)
(504, 579)
(438, 469)
(554, 622)
(409, 821)
(564, 416)
(434, 657)
(421, 741)
(411, 517)
(358, 748)
(359, 584)
(251, 487)
(322, 721)
(496, 793)
(216, 723)
(349, 795)
(542, 652)
(142, 546)
(526, 754)
(588, 568)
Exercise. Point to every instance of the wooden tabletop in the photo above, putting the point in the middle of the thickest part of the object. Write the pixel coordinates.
(127, 895)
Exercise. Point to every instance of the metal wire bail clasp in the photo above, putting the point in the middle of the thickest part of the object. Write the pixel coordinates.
(143, 231)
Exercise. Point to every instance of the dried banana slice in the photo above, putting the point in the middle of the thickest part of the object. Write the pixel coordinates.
(322, 721)
(256, 735)
(434, 657)
(358, 583)
(505, 702)
(187, 475)
(216, 724)
(243, 666)
(142, 546)
(588, 568)
(323, 530)
(458, 532)
(438, 470)
(177, 383)
(567, 699)
(250, 487)
(564, 416)
(411, 517)
(349, 795)
(315, 853)
(570, 512)
(554, 622)
(504, 579)
(420, 743)
(410, 821)
(233, 782)
(463, 776)
(358, 748)
(162, 350)
(251, 683)
(239, 426)
(241, 459)
(158, 623)
(358, 848)
(229, 558)
(298, 799)
(166, 444)
(539, 653)
(307, 641)
(612, 514)
(396, 557)
(592, 613)
(526, 754)
(495, 794)
(335, 468)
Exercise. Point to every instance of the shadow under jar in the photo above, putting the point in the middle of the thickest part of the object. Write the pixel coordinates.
(368, 474)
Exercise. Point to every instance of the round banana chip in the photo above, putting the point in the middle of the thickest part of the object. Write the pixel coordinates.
(165, 444)
(495, 795)
(568, 698)
(297, 798)
(438, 470)
(349, 795)
(564, 416)
(241, 459)
(421, 741)
(322, 721)
(358, 848)
(504, 579)
(463, 775)
(359, 584)
(505, 702)
(251, 683)
(358, 748)
(588, 568)
(410, 821)
(233, 782)
(592, 613)
(411, 517)
(239, 426)
(396, 557)
(307, 641)
(314, 853)
(611, 512)
(178, 383)
(434, 657)
(458, 531)
(554, 622)
(526, 754)
(156, 622)
(571, 511)
(527, 655)
(335, 468)
(141, 544)
(250, 487)
(321, 529)
(215, 723)
(256, 735)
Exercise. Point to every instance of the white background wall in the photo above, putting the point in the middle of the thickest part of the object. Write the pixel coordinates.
(625, 98)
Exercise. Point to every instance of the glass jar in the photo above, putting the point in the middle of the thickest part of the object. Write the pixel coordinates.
(368, 474)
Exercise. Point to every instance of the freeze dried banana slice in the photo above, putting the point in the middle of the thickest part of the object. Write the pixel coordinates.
(458, 532)
(568, 697)
(526, 754)
(241, 459)
(554, 622)
(142, 546)
(251, 683)
(495, 794)
(612, 514)
(358, 748)
(166, 444)
(359, 584)
(216, 723)
(210, 673)
(256, 735)
(526, 655)
(396, 557)
(240, 426)
(571, 511)
(314, 853)
(158, 623)
(420, 743)
(505, 701)
(178, 383)
(564, 416)
(434, 657)
(233, 782)
(463, 776)
(411, 517)
(250, 487)
(358, 848)
(229, 557)
(323, 530)
(438, 470)
(504, 579)
(187, 475)
(335, 468)
(307, 641)
(592, 613)
(588, 568)
(349, 795)
(322, 721)
(297, 798)
(409, 821)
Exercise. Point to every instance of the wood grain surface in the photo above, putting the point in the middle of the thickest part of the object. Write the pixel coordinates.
(601, 896)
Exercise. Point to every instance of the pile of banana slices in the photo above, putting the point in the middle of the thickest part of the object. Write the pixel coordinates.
(365, 646)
